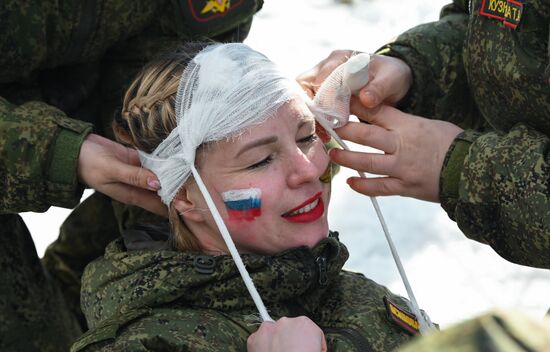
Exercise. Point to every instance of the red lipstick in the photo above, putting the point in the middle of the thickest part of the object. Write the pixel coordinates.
(309, 216)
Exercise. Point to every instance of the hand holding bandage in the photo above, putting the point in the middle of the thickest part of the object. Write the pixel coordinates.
(115, 170)
(414, 149)
(331, 106)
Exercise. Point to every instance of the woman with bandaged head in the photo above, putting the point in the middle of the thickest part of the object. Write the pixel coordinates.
(241, 168)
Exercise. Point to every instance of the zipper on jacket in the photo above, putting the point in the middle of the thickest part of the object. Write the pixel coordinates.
(359, 342)
(322, 267)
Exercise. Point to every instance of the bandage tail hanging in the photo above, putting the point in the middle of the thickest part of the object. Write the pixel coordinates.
(331, 107)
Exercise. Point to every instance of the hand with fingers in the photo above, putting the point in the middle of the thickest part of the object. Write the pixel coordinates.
(288, 335)
(389, 82)
(414, 150)
(414, 147)
(112, 169)
(312, 79)
(389, 78)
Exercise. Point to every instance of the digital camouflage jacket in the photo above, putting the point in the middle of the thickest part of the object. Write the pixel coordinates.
(485, 66)
(64, 67)
(164, 300)
(63, 70)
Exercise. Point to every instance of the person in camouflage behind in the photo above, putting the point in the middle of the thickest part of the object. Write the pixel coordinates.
(483, 67)
(176, 288)
(63, 69)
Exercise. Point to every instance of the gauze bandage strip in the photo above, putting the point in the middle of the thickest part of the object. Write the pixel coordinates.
(333, 97)
(331, 107)
(225, 89)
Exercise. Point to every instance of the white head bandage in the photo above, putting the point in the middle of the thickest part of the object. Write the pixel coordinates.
(224, 90)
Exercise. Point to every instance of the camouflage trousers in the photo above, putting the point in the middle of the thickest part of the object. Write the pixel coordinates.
(40, 299)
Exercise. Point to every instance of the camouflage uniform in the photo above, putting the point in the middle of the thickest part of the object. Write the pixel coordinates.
(64, 68)
(493, 80)
(164, 300)
(498, 330)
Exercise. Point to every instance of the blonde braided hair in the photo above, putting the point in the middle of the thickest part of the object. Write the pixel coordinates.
(148, 117)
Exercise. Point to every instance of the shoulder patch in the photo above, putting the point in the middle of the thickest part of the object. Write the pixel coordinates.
(507, 11)
(213, 17)
(208, 10)
(401, 317)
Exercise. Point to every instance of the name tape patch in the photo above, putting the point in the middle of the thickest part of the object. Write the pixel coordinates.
(507, 11)
(401, 317)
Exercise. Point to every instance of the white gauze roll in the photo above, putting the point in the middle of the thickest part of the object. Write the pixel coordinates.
(224, 90)
(332, 100)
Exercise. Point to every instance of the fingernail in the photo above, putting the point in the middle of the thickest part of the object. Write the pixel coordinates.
(153, 184)
(370, 98)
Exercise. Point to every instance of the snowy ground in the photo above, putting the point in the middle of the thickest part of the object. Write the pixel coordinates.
(453, 278)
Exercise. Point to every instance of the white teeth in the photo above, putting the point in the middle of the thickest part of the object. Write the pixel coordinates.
(305, 209)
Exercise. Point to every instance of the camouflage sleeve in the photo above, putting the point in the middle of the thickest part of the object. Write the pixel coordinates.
(497, 330)
(434, 53)
(39, 149)
(496, 187)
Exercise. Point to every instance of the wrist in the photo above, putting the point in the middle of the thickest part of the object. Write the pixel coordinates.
(62, 186)
(451, 171)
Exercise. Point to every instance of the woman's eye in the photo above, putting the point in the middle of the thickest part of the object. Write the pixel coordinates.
(261, 163)
(309, 139)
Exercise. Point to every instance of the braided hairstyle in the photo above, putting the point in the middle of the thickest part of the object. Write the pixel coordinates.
(148, 117)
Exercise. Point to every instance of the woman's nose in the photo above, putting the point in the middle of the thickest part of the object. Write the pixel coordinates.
(304, 168)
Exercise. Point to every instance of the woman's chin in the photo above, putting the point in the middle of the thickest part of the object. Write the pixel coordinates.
(316, 237)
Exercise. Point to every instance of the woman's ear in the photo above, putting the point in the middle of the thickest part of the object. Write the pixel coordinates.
(187, 206)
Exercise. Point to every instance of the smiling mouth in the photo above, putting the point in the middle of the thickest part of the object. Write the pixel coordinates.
(311, 210)
(303, 210)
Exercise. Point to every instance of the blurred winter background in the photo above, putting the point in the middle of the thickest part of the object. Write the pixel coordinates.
(453, 278)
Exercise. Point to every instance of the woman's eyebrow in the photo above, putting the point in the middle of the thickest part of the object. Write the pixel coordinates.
(257, 143)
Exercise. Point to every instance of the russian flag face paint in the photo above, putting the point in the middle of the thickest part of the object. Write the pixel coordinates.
(243, 204)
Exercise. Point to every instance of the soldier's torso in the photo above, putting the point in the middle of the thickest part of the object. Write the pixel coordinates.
(507, 60)
(81, 55)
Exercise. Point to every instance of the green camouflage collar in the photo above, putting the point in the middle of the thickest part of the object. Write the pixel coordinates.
(125, 280)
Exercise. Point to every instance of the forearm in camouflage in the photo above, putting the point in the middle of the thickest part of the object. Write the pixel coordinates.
(503, 193)
(434, 53)
(39, 149)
